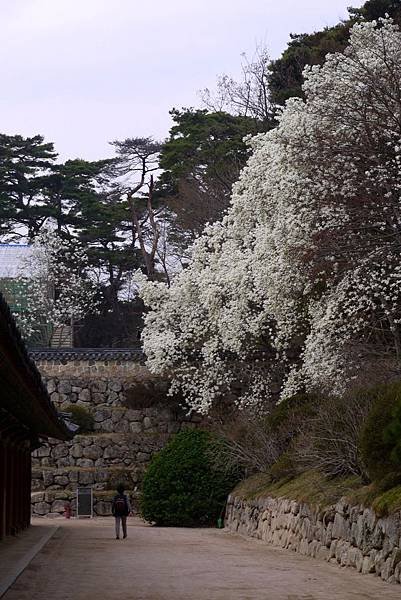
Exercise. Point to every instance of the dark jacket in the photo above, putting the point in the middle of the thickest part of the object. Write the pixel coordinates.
(127, 509)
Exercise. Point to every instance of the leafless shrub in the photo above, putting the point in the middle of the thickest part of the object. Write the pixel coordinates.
(248, 445)
(329, 441)
(253, 443)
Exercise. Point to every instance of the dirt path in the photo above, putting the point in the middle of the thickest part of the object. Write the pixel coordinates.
(84, 562)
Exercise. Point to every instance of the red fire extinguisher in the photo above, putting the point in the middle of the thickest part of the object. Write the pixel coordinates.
(67, 510)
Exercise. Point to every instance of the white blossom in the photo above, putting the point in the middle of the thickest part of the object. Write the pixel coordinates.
(56, 288)
(305, 269)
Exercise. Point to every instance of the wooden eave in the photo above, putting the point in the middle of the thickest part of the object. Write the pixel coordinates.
(22, 392)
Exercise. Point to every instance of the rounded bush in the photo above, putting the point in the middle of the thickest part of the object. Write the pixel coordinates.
(283, 468)
(82, 417)
(181, 486)
(378, 440)
(392, 433)
(291, 414)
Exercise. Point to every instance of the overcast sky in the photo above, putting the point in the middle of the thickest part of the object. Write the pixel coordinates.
(84, 72)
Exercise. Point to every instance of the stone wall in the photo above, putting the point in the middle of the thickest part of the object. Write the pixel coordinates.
(133, 418)
(350, 536)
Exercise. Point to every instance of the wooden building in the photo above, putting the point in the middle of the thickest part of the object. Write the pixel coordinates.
(27, 417)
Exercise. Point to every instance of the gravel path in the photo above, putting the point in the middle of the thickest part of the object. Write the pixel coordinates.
(83, 561)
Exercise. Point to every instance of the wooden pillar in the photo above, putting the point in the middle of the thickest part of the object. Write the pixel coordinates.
(6, 477)
(16, 491)
(11, 490)
(25, 498)
(19, 488)
(7, 490)
(2, 489)
(29, 484)
(27, 479)
(15, 485)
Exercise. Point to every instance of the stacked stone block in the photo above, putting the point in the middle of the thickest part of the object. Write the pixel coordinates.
(125, 437)
(350, 536)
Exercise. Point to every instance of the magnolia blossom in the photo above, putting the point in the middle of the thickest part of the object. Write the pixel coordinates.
(55, 288)
(300, 285)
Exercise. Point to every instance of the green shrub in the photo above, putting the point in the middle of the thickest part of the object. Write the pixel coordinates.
(291, 414)
(181, 487)
(82, 417)
(378, 441)
(283, 468)
(392, 433)
(388, 482)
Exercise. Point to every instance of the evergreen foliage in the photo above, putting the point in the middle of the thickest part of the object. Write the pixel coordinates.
(82, 417)
(201, 160)
(392, 433)
(286, 73)
(126, 223)
(24, 163)
(181, 486)
(377, 441)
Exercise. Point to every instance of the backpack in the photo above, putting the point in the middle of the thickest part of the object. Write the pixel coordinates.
(120, 506)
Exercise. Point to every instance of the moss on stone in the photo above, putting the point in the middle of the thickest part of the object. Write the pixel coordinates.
(317, 490)
(383, 502)
(388, 502)
(311, 487)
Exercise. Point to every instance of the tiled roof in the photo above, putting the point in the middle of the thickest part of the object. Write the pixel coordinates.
(35, 408)
(12, 258)
(75, 354)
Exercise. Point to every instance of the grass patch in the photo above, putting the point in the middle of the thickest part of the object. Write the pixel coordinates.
(383, 502)
(318, 490)
(388, 502)
(310, 487)
(254, 487)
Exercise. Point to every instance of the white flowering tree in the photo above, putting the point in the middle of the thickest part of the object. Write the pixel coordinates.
(300, 286)
(55, 289)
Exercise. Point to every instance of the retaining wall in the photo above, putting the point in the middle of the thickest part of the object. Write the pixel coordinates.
(350, 536)
(133, 419)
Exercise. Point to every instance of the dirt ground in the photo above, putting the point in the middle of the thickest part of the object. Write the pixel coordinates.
(83, 561)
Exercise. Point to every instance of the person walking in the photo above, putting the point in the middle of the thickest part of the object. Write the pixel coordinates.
(121, 508)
